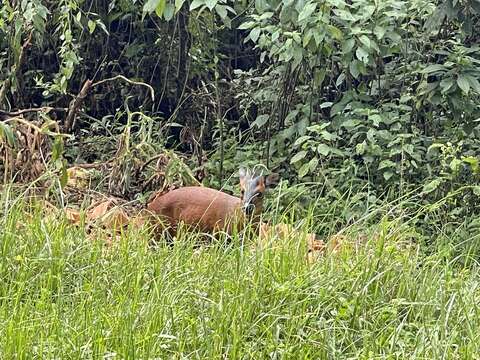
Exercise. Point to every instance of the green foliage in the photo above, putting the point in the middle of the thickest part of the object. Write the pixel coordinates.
(350, 94)
(371, 86)
(6, 135)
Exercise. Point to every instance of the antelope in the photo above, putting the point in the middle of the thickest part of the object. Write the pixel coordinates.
(211, 210)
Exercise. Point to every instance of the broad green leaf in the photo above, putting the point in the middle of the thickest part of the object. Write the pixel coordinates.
(432, 185)
(91, 26)
(323, 149)
(328, 136)
(350, 124)
(307, 37)
(301, 140)
(472, 161)
(446, 84)
(326, 104)
(344, 15)
(298, 156)
(7, 133)
(354, 68)
(348, 45)
(435, 68)
(474, 83)
(57, 149)
(386, 164)
(335, 32)
(275, 35)
(435, 20)
(286, 14)
(150, 6)
(169, 12)
(265, 16)
(435, 146)
(247, 25)
(319, 76)
(394, 36)
(296, 37)
(379, 32)
(371, 136)
(262, 56)
(261, 6)
(361, 148)
(304, 170)
(376, 119)
(362, 54)
(318, 36)
(221, 11)
(260, 121)
(211, 3)
(463, 83)
(317, 128)
(365, 41)
(63, 175)
(160, 8)
(387, 175)
(178, 5)
(254, 34)
(297, 56)
(312, 165)
(196, 4)
(291, 116)
(307, 11)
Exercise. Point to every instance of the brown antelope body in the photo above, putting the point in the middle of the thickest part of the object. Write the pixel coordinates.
(211, 210)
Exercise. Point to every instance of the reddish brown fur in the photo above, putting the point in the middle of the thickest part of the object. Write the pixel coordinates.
(211, 210)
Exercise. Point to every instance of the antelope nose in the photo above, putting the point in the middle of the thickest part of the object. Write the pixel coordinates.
(249, 209)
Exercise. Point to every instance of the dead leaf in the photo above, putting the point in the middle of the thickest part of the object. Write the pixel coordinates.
(78, 177)
(99, 210)
(115, 218)
(72, 215)
(108, 215)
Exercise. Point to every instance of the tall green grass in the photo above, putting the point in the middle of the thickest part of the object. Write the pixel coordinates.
(63, 296)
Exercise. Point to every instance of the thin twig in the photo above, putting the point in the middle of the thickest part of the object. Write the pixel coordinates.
(149, 161)
(94, 165)
(24, 111)
(152, 91)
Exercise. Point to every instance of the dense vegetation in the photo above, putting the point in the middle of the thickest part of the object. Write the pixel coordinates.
(368, 109)
(359, 95)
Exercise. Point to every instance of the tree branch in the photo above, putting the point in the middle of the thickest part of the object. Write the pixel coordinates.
(75, 104)
(152, 92)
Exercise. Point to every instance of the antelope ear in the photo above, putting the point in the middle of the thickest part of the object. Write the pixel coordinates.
(272, 180)
(242, 172)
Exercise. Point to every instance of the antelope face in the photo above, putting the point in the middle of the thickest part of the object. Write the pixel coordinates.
(253, 188)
